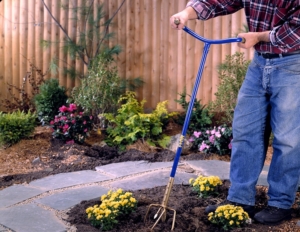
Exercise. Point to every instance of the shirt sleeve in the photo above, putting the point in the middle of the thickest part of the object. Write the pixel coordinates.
(207, 9)
(287, 35)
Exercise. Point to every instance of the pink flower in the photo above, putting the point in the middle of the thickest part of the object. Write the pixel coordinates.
(80, 113)
(73, 121)
(91, 117)
(63, 109)
(203, 146)
(84, 122)
(66, 126)
(191, 139)
(218, 134)
(213, 131)
(72, 107)
(197, 134)
(212, 139)
(230, 145)
(63, 118)
(51, 122)
(207, 132)
(85, 130)
(223, 129)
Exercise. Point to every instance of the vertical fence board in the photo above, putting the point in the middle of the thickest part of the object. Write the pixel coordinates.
(8, 77)
(38, 35)
(167, 60)
(29, 56)
(2, 52)
(15, 45)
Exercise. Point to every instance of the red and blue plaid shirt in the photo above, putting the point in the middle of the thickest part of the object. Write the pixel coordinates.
(281, 17)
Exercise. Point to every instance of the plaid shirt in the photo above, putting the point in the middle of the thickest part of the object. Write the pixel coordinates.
(281, 17)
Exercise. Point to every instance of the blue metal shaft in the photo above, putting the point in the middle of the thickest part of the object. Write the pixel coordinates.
(207, 44)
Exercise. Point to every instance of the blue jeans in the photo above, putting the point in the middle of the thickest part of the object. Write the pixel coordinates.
(269, 97)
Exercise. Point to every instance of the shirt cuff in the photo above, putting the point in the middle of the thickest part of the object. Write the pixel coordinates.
(197, 6)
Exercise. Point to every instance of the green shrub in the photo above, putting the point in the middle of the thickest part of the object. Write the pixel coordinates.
(200, 116)
(16, 126)
(51, 97)
(99, 92)
(231, 73)
(131, 123)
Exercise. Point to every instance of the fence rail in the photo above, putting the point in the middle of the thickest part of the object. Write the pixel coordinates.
(165, 59)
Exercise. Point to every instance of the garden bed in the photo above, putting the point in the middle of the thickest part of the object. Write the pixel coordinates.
(41, 156)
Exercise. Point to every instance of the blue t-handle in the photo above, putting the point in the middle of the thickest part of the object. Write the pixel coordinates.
(207, 44)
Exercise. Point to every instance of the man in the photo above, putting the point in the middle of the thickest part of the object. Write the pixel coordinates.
(270, 95)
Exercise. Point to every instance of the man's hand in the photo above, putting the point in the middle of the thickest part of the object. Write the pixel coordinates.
(252, 38)
(182, 17)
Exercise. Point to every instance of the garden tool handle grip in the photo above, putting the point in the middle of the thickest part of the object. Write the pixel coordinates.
(219, 41)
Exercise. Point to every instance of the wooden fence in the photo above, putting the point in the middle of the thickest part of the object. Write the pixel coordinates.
(167, 60)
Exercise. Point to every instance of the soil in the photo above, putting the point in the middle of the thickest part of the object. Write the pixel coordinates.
(40, 156)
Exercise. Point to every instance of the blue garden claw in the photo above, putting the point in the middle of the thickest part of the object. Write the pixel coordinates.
(162, 211)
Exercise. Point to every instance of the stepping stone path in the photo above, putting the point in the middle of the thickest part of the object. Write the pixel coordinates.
(41, 205)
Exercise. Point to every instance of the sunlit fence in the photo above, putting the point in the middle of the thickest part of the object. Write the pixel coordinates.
(165, 59)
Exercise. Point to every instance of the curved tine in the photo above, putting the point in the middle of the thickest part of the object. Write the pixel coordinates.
(162, 213)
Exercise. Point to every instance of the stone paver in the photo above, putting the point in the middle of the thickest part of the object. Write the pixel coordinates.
(64, 180)
(38, 213)
(151, 180)
(72, 197)
(17, 193)
(211, 168)
(30, 218)
(132, 167)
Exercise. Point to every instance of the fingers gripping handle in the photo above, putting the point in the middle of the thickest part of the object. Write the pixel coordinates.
(177, 21)
(240, 39)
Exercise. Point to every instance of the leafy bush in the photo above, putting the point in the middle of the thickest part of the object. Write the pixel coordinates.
(214, 140)
(113, 205)
(99, 92)
(205, 186)
(16, 126)
(200, 116)
(50, 98)
(231, 73)
(131, 123)
(229, 217)
(71, 126)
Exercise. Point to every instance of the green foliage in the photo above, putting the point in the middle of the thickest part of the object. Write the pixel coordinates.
(100, 90)
(71, 125)
(49, 99)
(16, 126)
(231, 73)
(131, 123)
(200, 116)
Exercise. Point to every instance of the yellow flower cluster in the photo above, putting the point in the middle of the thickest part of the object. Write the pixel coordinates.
(228, 216)
(112, 205)
(205, 185)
